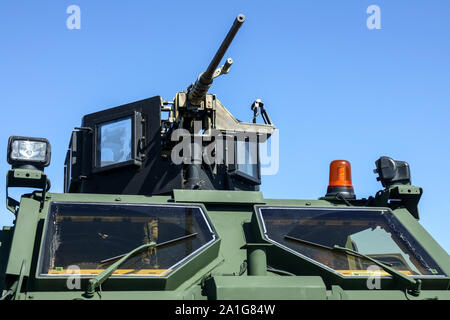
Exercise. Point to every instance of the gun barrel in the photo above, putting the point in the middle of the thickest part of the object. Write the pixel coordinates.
(207, 75)
(201, 86)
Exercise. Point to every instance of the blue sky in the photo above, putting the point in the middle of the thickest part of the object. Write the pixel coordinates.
(334, 88)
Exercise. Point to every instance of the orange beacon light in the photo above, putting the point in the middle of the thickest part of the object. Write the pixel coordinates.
(340, 183)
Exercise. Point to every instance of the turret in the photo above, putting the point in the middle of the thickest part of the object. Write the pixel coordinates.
(154, 146)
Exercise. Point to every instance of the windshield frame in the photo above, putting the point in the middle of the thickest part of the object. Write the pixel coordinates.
(164, 276)
(378, 210)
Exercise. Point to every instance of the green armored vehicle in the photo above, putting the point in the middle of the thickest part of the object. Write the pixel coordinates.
(161, 201)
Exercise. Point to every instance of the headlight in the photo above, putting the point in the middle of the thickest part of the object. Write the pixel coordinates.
(23, 151)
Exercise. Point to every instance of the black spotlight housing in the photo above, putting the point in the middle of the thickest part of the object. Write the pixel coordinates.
(28, 152)
(392, 172)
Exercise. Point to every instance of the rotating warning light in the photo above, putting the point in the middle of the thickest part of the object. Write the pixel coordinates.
(340, 184)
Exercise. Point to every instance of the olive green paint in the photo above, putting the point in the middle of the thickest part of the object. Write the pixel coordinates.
(233, 267)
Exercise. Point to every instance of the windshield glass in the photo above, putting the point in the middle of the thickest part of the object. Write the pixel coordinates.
(86, 236)
(376, 233)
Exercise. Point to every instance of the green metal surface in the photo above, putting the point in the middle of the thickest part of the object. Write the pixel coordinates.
(24, 237)
(267, 288)
(235, 267)
(216, 196)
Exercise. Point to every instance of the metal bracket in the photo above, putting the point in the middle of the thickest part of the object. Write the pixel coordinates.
(407, 195)
(20, 281)
(258, 109)
(224, 69)
(25, 178)
(14, 290)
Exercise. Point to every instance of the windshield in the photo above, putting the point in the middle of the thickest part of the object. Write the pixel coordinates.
(376, 233)
(90, 237)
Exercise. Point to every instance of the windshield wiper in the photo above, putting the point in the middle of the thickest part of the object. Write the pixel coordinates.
(413, 285)
(307, 242)
(161, 244)
(97, 281)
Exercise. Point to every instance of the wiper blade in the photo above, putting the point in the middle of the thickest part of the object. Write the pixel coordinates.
(307, 242)
(414, 284)
(103, 276)
(158, 245)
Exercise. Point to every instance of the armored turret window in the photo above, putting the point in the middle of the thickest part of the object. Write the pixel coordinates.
(247, 160)
(114, 142)
(313, 232)
(92, 236)
(117, 141)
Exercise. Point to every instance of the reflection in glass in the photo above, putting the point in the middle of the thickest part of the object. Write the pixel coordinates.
(114, 142)
(28, 150)
(376, 233)
(89, 235)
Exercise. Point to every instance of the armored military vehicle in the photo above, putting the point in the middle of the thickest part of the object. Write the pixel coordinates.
(161, 201)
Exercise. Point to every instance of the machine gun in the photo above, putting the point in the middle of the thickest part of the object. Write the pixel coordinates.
(196, 104)
(197, 91)
(202, 115)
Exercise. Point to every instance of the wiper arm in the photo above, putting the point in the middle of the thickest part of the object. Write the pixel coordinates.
(103, 276)
(161, 244)
(307, 242)
(415, 285)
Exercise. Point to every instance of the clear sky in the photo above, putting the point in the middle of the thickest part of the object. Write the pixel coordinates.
(334, 88)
